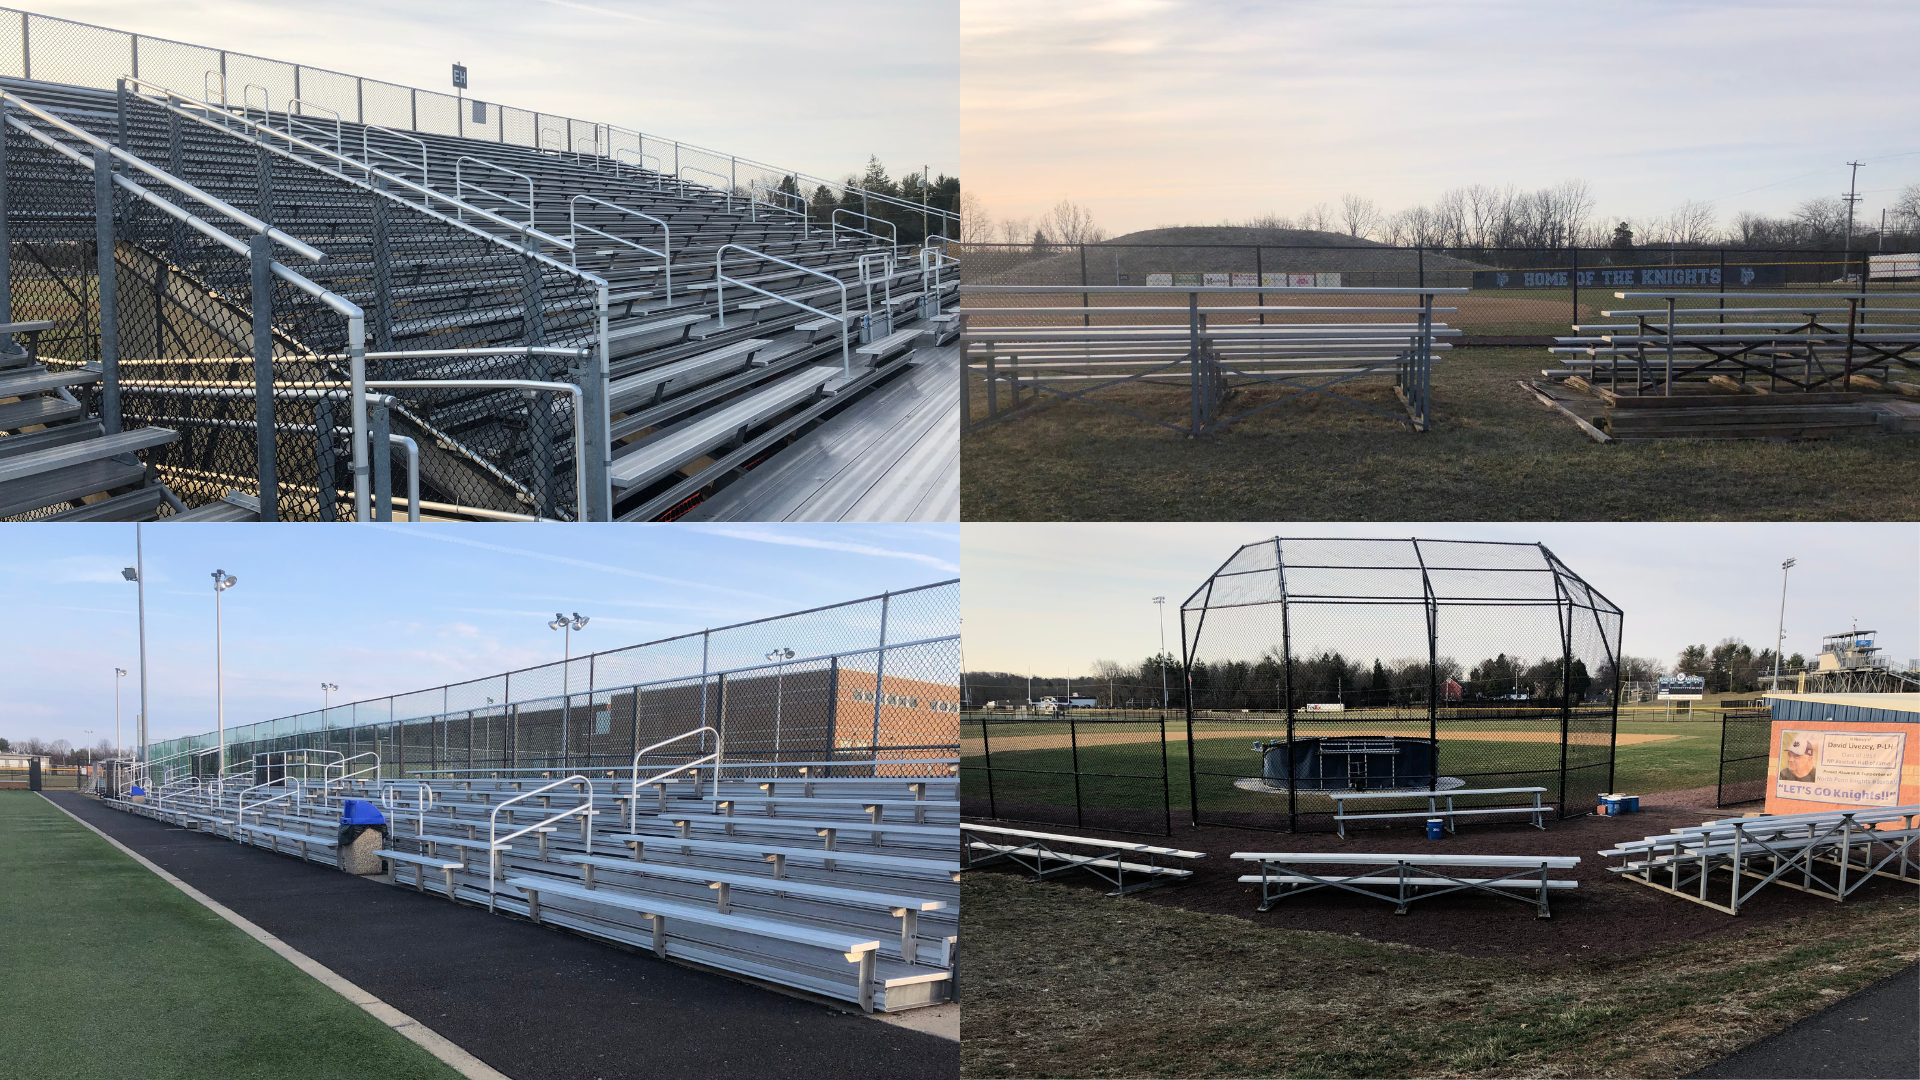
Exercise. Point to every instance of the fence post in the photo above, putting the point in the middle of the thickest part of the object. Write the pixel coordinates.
(1073, 749)
(879, 677)
(382, 450)
(1186, 705)
(382, 313)
(106, 291)
(1576, 286)
(1193, 362)
(986, 755)
(323, 454)
(1085, 320)
(262, 256)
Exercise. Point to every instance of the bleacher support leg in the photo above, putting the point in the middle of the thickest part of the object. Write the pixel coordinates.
(109, 306)
(589, 373)
(262, 256)
(866, 980)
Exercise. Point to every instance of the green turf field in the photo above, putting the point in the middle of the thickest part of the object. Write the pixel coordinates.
(111, 972)
(1688, 759)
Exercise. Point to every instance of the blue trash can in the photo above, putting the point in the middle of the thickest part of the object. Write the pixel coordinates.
(1435, 827)
(1633, 804)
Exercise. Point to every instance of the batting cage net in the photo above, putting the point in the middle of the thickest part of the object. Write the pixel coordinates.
(1320, 667)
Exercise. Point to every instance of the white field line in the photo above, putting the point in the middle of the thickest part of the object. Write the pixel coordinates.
(421, 1035)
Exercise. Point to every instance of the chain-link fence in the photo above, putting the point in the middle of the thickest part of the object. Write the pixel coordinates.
(1519, 295)
(1320, 666)
(1746, 737)
(79, 54)
(857, 684)
(1105, 770)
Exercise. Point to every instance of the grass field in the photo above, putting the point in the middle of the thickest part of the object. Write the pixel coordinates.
(1495, 454)
(1686, 755)
(111, 972)
(1124, 988)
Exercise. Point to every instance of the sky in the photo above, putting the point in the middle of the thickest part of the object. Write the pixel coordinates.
(1191, 112)
(815, 87)
(1059, 597)
(388, 609)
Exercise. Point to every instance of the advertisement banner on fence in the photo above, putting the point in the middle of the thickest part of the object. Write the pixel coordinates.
(1847, 768)
(1658, 277)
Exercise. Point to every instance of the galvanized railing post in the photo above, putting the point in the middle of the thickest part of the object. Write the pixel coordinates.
(261, 250)
(589, 372)
(382, 451)
(540, 412)
(106, 291)
(8, 346)
(382, 312)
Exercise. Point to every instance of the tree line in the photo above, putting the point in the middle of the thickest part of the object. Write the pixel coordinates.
(937, 193)
(62, 752)
(1329, 676)
(1485, 217)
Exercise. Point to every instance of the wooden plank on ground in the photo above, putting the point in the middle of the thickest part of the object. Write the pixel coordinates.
(1593, 433)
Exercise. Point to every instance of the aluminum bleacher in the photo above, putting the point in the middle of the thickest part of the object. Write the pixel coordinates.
(819, 896)
(568, 334)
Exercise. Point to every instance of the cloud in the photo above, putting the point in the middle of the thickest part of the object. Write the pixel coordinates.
(444, 537)
(791, 537)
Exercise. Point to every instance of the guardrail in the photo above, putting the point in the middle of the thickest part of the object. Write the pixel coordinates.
(633, 793)
(494, 840)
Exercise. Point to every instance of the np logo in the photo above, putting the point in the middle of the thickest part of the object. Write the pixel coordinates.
(1746, 275)
(1501, 279)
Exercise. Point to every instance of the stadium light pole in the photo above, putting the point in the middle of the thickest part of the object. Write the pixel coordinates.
(1161, 603)
(326, 699)
(222, 581)
(137, 573)
(118, 674)
(567, 627)
(1780, 638)
(779, 656)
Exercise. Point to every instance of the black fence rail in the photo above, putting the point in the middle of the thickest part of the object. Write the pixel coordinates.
(1104, 770)
(1525, 293)
(1745, 740)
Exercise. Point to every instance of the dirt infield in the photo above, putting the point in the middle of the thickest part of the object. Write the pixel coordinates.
(1604, 916)
(975, 747)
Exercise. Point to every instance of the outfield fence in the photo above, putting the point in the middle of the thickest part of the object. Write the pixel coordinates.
(1517, 295)
(1102, 770)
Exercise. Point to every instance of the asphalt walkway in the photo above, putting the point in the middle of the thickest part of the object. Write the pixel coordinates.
(530, 1001)
(1873, 1035)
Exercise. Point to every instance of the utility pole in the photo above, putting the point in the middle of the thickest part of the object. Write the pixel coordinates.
(222, 581)
(1779, 641)
(1852, 198)
(137, 573)
(118, 674)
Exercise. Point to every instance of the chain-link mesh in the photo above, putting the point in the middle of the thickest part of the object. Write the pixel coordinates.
(1412, 665)
(1105, 771)
(828, 685)
(1746, 736)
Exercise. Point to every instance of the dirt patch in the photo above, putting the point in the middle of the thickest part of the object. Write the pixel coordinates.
(1114, 738)
(1605, 916)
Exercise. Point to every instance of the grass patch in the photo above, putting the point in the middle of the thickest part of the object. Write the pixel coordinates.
(1066, 982)
(1496, 454)
(112, 972)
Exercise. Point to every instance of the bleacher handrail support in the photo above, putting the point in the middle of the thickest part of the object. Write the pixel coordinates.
(494, 840)
(634, 791)
(666, 252)
(719, 298)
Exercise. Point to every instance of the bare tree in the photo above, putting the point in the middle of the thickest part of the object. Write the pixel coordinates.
(1070, 223)
(976, 227)
(1318, 219)
(1015, 230)
(1360, 215)
(1906, 207)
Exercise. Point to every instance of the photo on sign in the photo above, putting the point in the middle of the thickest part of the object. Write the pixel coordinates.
(1856, 768)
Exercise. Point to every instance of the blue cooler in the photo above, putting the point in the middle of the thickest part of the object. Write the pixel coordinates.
(1435, 826)
(1633, 803)
(1611, 805)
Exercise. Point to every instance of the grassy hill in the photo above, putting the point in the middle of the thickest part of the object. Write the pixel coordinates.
(1204, 249)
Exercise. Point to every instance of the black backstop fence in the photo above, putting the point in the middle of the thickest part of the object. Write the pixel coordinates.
(1517, 293)
(1100, 770)
(1320, 666)
(1745, 735)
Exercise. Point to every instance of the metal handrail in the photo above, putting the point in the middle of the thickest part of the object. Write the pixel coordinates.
(726, 180)
(493, 822)
(720, 280)
(634, 791)
(579, 417)
(834, 219)
(211, 201)
(642, 166)
(339, 140)
(806, 220)
(359, 166)
(459, 184)
(207, 90)
(864, 265)
(573, 227)
(367, 150)
(246, 100)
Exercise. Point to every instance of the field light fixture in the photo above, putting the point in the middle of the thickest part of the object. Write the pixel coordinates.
(780, 654)
(561, 622)
(327, 690)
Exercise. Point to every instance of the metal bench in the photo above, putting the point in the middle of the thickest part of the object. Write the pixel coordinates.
(1341, 817)
(778, 854)
(1034, 850)
(421, 864)
(1283, 874)
(874, 807)
(657, 911)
